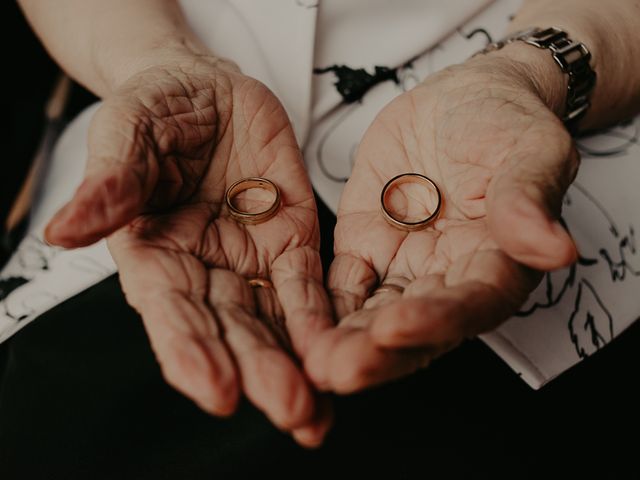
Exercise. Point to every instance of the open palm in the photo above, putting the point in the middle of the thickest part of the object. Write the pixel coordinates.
(502, 161)
(163, 150)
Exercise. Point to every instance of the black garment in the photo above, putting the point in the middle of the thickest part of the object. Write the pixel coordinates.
(81, 396)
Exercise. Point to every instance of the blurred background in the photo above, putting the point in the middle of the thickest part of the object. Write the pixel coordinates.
(29, 77)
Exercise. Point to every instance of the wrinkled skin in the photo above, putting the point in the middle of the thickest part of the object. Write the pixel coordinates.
(162, 151)
(503, 161)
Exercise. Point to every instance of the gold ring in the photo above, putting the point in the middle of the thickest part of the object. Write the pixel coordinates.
(246, 184)
(388, 287)
(260, 282)
(409, 178)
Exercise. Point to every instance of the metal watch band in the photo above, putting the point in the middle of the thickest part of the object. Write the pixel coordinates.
(572, 57)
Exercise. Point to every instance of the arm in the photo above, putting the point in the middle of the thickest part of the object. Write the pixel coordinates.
(611, 31)
(102, 44)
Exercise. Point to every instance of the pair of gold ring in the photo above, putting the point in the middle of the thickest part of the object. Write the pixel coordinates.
(252, 218)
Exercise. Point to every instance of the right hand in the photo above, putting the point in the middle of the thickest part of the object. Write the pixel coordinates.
(163, 149)
(503, 162)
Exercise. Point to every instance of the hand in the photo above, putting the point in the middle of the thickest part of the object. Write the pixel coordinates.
(162, 151)
(503, 161)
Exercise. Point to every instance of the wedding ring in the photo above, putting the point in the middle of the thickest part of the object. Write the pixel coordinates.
(409, 178)
(260, 282)
(388, 287)
(246, 184)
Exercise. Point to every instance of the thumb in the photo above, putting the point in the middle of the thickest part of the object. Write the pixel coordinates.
(524, 204)
(120, 176)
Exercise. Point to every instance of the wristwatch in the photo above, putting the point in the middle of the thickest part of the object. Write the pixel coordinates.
(572, 57)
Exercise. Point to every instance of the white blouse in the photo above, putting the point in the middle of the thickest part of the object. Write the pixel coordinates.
(572, 314)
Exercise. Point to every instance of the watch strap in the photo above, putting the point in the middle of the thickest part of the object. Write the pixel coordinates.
(572, 57)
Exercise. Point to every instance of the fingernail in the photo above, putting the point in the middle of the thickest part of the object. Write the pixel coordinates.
(308, 438)
(45, 240)
(46, 235)
(565, 237)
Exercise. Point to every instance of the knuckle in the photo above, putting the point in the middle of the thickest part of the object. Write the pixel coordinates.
(348, 379)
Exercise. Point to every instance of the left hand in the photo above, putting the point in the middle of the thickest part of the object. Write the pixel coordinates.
(503, 161)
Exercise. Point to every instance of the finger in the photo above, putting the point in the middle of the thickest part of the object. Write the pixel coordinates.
(198, 365)
(441, 320)
(351, 279)
(182, 330)
(269, 310)
(121, 175)
(270, 378)
(346, 360)
(524, 204)
(297, 277)
(391, 289)
(425, 285)
(313, 434)
(478, 293)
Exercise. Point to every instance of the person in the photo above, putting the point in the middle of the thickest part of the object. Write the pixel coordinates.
(179, 124)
